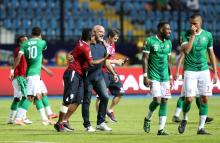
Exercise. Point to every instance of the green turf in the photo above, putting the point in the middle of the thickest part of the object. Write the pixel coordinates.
(129, 128)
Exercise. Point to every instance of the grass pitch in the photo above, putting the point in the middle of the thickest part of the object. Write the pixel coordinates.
(129, 128)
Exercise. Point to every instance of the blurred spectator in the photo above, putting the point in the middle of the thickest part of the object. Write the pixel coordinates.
(176, 5)
(162, 5)
(193, 5)
(157, 5)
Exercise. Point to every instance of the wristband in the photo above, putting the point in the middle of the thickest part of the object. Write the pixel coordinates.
(171, 77)
(12, 71)
(145, 75)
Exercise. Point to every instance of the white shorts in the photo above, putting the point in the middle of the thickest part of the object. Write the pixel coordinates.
(33, 85)
(43, 87)
(160, 89)
(197, 80)
(17, 89)
(183, 92)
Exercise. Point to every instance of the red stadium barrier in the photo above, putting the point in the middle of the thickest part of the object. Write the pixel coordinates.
(131, 78)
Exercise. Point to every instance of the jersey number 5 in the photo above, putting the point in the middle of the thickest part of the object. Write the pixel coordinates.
(32, 52)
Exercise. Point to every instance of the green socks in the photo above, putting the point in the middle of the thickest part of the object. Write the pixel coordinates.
(180, 102)
(163, 109)
(153, 106)
(14, 105)
(39, 104)
(26, 104)
(203, 109)
(45, 101)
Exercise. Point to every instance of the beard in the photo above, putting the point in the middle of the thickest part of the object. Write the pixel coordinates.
(164, 36)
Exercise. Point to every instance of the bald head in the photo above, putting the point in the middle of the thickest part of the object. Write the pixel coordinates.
(99, 32)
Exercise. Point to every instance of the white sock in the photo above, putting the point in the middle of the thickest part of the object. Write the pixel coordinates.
(149, 115)
(43, 114)
(202, 121)
(177, 112)
(185, 117)
(162, 122)
(12, 114)
(20, 113)
(25, 116)
(48, 110)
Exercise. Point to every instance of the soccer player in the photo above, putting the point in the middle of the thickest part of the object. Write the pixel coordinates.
(157, 74)
(115, 87)
(19, 83)
(73, 79)
(33, 52)
(196, 43)
(180, 101)
(94, 80)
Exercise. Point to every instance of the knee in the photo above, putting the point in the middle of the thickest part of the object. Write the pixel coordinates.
(157, 100)
(38, 97)
(204, 99)
(188, 100)
(30, 98)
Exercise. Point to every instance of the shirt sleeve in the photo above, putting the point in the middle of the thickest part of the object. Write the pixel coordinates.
(88, 54)
(22, 49)
(183, 38)
(170, 45)
(210, 41)
(45, 45)
(147, 46)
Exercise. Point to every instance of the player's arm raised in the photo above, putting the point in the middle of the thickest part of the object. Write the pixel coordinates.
(187, 46)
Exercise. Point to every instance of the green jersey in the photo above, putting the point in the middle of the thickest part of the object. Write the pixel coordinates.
(33, 51)
(158, 58)
(196, 59)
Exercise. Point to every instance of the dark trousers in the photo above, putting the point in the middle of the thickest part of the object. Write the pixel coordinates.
(100, 88)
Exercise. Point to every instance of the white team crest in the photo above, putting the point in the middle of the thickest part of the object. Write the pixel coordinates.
(168, 46)
(156, 47)
(204, 38)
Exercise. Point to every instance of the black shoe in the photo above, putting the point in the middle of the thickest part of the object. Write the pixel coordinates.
(182, 126)
(162, 132)
(59, 127)
(111, 116)
(176, 119)
(209, 119)
(202, 132)
(67, 127)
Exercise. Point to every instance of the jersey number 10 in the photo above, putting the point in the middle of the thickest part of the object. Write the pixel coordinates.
(32, 52)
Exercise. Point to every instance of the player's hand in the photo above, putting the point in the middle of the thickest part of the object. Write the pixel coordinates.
(50, 73)
(120, 62)
(193, 30)
(70, 57)
(116, 79)
(11, 76)
(215, 78)
(147, 82)
(176, 76)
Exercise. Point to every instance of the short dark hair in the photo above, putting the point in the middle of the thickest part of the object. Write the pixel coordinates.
(112, 32)
(161, 24)
(36, 31)
(195, 15)
(18, 40)
(86, 34)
